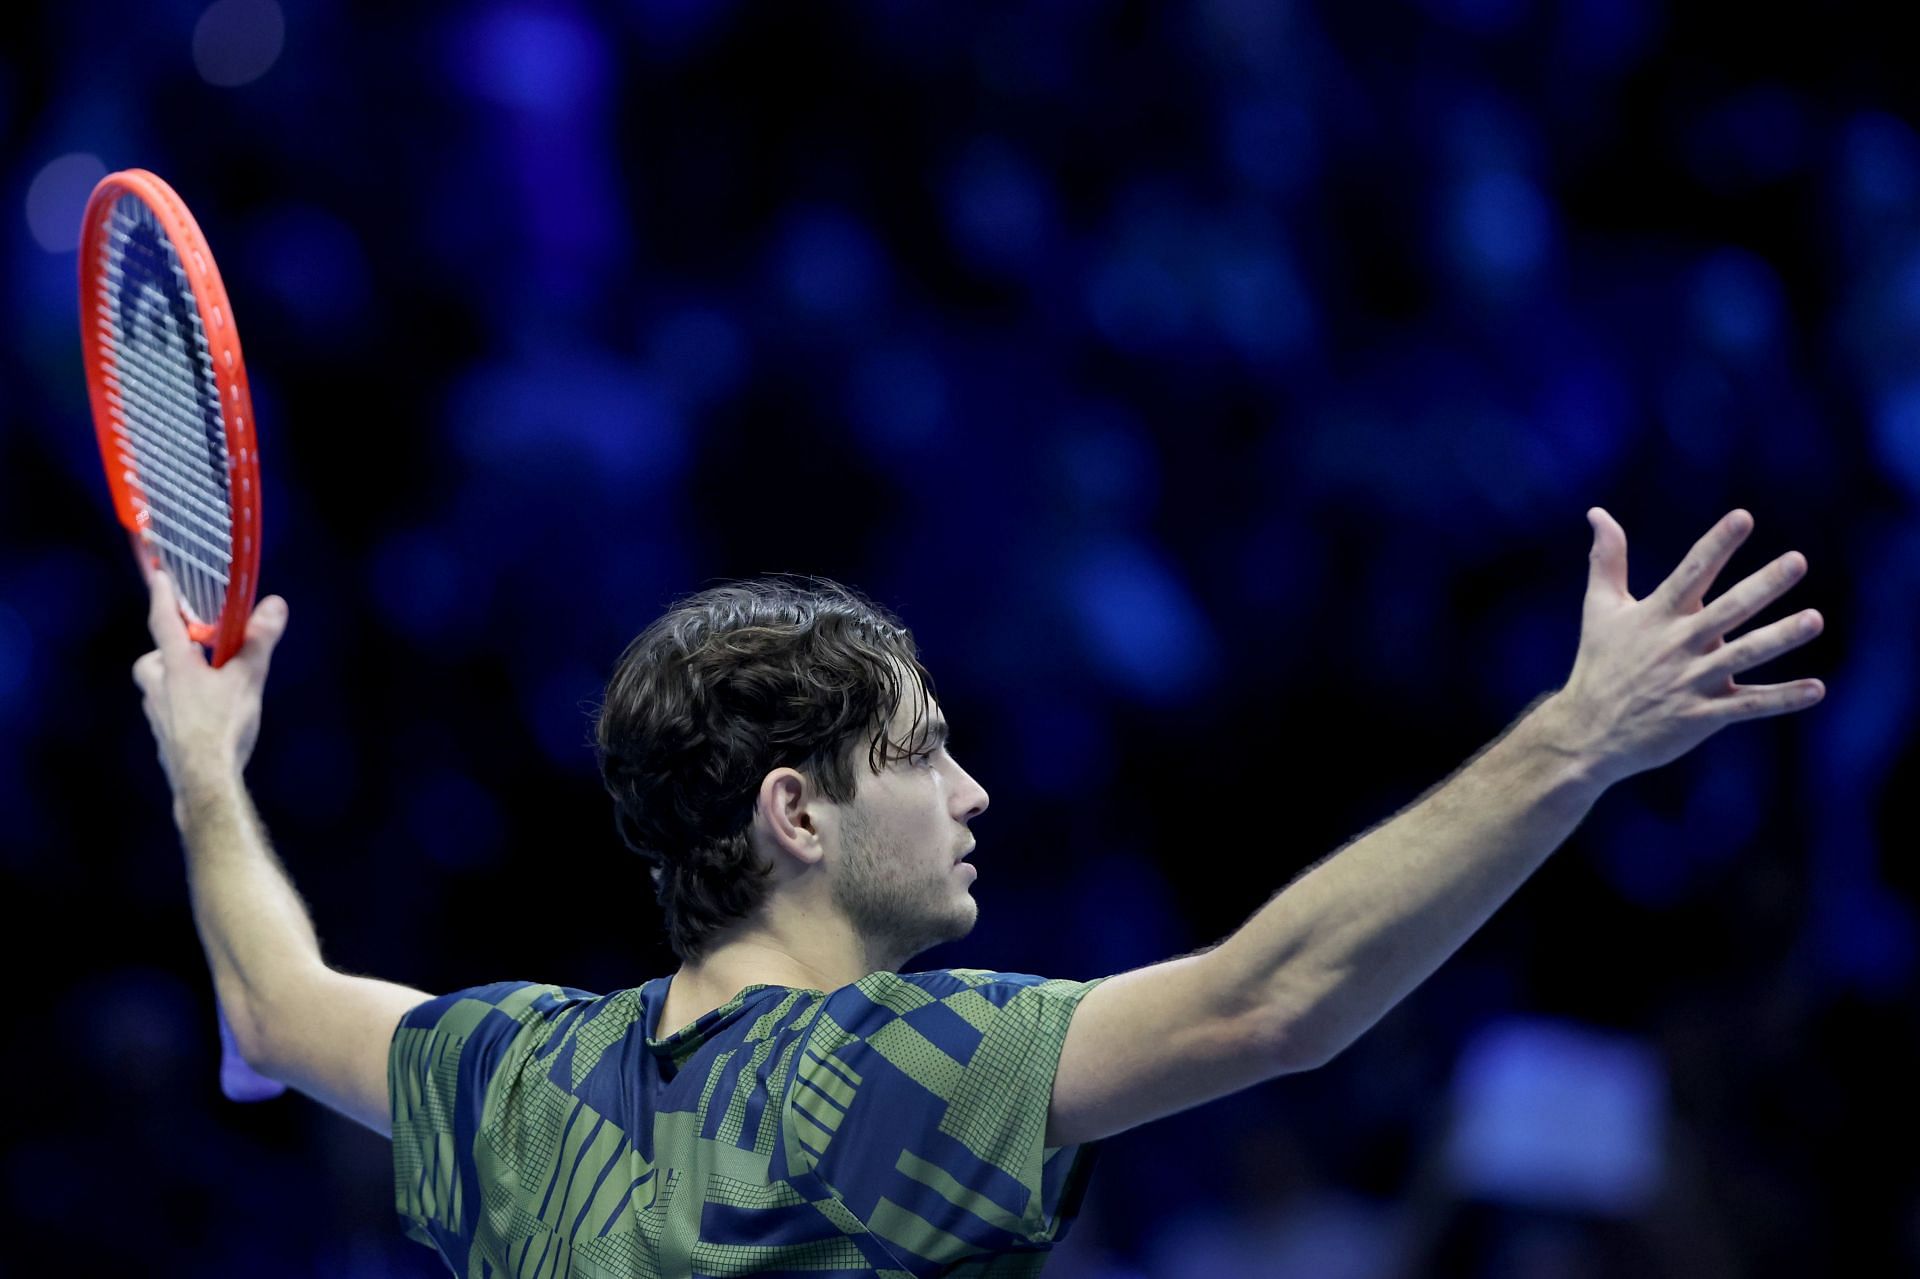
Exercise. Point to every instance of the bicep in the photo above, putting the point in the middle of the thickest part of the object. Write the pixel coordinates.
(328, 1036)
(1155, 1041)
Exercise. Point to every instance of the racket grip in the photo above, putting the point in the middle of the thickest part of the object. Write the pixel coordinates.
(238, 1080)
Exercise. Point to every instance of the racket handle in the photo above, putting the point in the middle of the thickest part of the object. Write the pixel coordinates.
(239, 1081)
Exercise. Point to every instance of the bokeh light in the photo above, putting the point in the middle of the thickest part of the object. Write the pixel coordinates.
(542, 60)
(1560, 1117)
(235, 42)
(57, 197)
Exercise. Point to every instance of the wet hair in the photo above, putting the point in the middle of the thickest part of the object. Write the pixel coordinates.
(737, 680)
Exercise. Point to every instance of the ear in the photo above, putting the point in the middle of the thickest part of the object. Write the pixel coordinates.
(783, 817)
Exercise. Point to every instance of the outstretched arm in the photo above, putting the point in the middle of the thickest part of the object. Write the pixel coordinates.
(1653, 678)
(1329, 955)
(1346, 941)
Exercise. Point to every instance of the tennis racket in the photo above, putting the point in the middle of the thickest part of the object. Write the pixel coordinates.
(175, 425)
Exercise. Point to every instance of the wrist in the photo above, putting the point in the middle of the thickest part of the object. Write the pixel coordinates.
(1567, 740)
(209, 781)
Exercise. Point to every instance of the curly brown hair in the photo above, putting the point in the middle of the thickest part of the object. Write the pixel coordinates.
(737, 680)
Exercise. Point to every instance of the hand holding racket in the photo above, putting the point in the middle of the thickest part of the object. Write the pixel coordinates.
(205, 719)
(173, 418)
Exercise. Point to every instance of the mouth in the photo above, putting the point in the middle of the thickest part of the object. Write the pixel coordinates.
(962, 857)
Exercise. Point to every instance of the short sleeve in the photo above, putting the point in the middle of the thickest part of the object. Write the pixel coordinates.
(442, 1067)
(920, 1101)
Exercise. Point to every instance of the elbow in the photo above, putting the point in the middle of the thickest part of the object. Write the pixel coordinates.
(241, 1040)
(1289, 1011)
(258, 1021)
(259, 1063)
(1290, 1049)
(1296, 1033)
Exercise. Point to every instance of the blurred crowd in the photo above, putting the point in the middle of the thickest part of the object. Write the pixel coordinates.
(1216, 390)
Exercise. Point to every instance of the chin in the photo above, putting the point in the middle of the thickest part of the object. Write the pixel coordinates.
(965, 920)
(953, 927)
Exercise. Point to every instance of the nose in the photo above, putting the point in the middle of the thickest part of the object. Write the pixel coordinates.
(976, 796)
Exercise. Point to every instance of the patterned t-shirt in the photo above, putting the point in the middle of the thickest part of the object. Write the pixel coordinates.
(893, 1127)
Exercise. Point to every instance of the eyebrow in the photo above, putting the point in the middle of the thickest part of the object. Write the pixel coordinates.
(936, 733)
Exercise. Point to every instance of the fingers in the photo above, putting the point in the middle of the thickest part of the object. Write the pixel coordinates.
(269, 615)
(1745, 599)
(1687, 585)
(1607, 561)
(1758, 701)
(164, 623)
(1757, 648)
(264, 629)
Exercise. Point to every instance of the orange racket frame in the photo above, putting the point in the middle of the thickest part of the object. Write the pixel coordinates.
(230, 381)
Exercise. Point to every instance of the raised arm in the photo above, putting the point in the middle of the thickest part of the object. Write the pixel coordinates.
(295, 1020)
(1347, 940)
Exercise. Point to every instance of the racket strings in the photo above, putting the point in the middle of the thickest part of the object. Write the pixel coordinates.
(135, 396)
(160, 383)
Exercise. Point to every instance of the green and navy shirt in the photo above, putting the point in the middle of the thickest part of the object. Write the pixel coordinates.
(895, 1127)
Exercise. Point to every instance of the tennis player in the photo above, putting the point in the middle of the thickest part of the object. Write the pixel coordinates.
(789, 1100)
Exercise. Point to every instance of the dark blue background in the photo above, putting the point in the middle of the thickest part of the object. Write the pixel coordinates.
(1216, 390)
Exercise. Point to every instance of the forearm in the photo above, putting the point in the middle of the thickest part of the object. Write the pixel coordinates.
(253, 925)
(1346, 941)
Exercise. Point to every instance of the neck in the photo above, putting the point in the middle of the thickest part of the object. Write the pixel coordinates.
(757, 959)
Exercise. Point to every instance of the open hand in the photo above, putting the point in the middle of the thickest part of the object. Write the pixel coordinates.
(204, 720)
(1654, 677)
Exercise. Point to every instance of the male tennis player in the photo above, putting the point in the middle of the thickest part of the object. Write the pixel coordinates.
(788, 1100)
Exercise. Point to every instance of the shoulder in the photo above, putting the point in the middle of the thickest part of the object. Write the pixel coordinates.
(939, 983)
(496, 1007)
(976, 997)
(996, 988)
